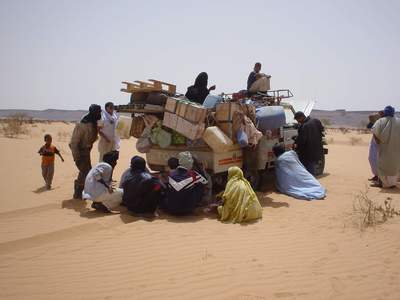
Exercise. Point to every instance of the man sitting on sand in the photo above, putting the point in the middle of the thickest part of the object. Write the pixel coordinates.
(142, 192)
(98, 186)
(185, 187)
(387, 135)
(293, 179)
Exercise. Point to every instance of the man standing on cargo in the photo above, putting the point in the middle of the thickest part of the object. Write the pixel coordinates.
(309, 141)
(83, 137)
(257, 82)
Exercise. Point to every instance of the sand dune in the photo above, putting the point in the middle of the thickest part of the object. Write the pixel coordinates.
(53, 247)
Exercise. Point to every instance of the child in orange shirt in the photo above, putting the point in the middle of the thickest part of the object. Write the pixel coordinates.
(48, 151)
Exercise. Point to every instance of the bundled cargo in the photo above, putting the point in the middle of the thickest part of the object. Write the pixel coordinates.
(171, 104)
(217, 139)
(246, 133)
(191, 111)
(270, 117)
(190, 130)
(185, 117)
(224, 116)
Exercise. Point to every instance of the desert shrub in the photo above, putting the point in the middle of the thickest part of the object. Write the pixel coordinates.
(363, 124)
(63, 136)
(355, 140)
(123, 130)
(370, 213)
(326, 122)
(362, 131)
(343, 130)
(15, 125)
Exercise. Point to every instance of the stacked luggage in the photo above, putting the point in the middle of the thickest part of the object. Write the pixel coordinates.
(163, 118)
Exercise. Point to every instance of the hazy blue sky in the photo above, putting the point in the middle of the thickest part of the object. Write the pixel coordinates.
(69, 54)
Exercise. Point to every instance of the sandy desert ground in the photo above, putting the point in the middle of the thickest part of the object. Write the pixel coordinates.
(53, 247)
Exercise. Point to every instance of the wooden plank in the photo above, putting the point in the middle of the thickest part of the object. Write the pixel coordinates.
(138, 110)
(171, 87)
(144, 83)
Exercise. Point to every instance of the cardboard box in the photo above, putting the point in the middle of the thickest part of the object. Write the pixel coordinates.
(195, 113)
(170, 120)
(189, 130)
(181, 109)
(226, 127)
(225, 111)
(171, 104)
(224, 116)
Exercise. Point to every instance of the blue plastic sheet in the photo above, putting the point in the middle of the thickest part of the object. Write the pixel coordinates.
(270, 117)
(211, 101)
(242, 138)
(294, 180)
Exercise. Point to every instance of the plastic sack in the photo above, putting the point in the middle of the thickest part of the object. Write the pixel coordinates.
(293, 179)
(178, 139)
(211, 101)
(270, 117)
(137, 126)
(242, 138)
(243, 124)
(143, 144)
(160, 137)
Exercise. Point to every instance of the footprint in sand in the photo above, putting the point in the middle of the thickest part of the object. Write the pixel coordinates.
(337, 286)
(283, 295)
(333, 248)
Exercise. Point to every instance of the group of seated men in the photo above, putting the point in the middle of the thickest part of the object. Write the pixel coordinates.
(185, 186)
(141, 192)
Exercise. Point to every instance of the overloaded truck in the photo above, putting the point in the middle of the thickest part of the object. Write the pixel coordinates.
(166, 124)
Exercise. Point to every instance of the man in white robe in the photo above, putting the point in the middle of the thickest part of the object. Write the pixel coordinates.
(109, 140)
(387, 135)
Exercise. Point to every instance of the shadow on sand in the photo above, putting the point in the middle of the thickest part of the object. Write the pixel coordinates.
(391, 191)
(40, 190)
(208, 212)
(323, 175)
(84, 210)
(266, 201)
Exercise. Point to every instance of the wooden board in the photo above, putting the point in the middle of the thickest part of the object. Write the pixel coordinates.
(151, 86)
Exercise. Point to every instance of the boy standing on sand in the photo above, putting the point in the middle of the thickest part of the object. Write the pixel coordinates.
(48, 151)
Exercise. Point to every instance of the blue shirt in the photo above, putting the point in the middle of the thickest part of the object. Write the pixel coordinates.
(252, 78)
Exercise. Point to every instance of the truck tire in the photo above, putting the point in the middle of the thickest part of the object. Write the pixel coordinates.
(253, 177)
(319, 168)
(218, 182)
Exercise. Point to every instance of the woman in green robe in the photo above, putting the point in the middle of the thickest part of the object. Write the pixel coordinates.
(240, 203)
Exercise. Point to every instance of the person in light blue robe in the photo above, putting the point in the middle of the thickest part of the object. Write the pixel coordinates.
(293, 179)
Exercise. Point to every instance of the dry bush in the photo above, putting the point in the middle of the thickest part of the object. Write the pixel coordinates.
(123, 130)
(15, 125)
(344, 130)
(369, 213)
(355, 140)
(63, 136)
(363, 124)
(326, 122)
